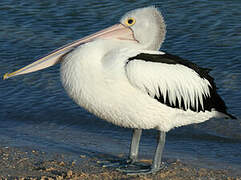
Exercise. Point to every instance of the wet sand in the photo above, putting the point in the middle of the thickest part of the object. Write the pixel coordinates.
(26, 163)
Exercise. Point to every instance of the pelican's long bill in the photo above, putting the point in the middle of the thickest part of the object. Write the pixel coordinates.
(117, 31)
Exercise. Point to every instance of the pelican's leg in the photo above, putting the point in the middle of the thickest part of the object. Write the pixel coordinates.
(132, 163)
(136, 136)
(133, 154)
(156, 163)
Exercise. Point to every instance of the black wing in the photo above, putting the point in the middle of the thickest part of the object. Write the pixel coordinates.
(214, 101)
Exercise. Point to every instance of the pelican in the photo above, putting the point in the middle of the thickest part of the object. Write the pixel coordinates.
(119, 75)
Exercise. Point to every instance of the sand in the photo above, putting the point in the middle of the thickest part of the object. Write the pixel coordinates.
(26, 163)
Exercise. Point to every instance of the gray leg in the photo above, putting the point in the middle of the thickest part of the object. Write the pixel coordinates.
(156, 163)
(159, 149)
(133, 154)
(131, 166)
(135, 145)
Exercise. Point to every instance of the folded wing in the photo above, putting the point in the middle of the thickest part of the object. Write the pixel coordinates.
(174, 82)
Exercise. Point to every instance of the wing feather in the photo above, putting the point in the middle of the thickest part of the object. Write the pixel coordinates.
(174, 81)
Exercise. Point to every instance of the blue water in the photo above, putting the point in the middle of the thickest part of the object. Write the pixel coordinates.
(36, 112)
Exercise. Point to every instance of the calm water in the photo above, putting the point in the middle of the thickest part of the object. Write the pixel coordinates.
(36, 112)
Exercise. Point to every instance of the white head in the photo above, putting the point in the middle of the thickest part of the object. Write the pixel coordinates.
(148, 26)
(141, 28)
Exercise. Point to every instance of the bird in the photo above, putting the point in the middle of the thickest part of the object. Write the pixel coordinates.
(120, 75)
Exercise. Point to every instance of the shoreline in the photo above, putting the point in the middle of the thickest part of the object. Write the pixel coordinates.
(27, 163)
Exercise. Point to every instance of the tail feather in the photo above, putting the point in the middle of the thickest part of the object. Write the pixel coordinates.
(231, 116)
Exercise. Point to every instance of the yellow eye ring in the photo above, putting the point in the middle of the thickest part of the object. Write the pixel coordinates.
(130, 21)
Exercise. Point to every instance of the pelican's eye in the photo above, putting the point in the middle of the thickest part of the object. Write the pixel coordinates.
(130, 21)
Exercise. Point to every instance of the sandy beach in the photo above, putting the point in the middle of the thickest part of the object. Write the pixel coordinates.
(26, 163)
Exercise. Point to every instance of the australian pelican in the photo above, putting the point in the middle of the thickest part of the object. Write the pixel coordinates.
(119, 75)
